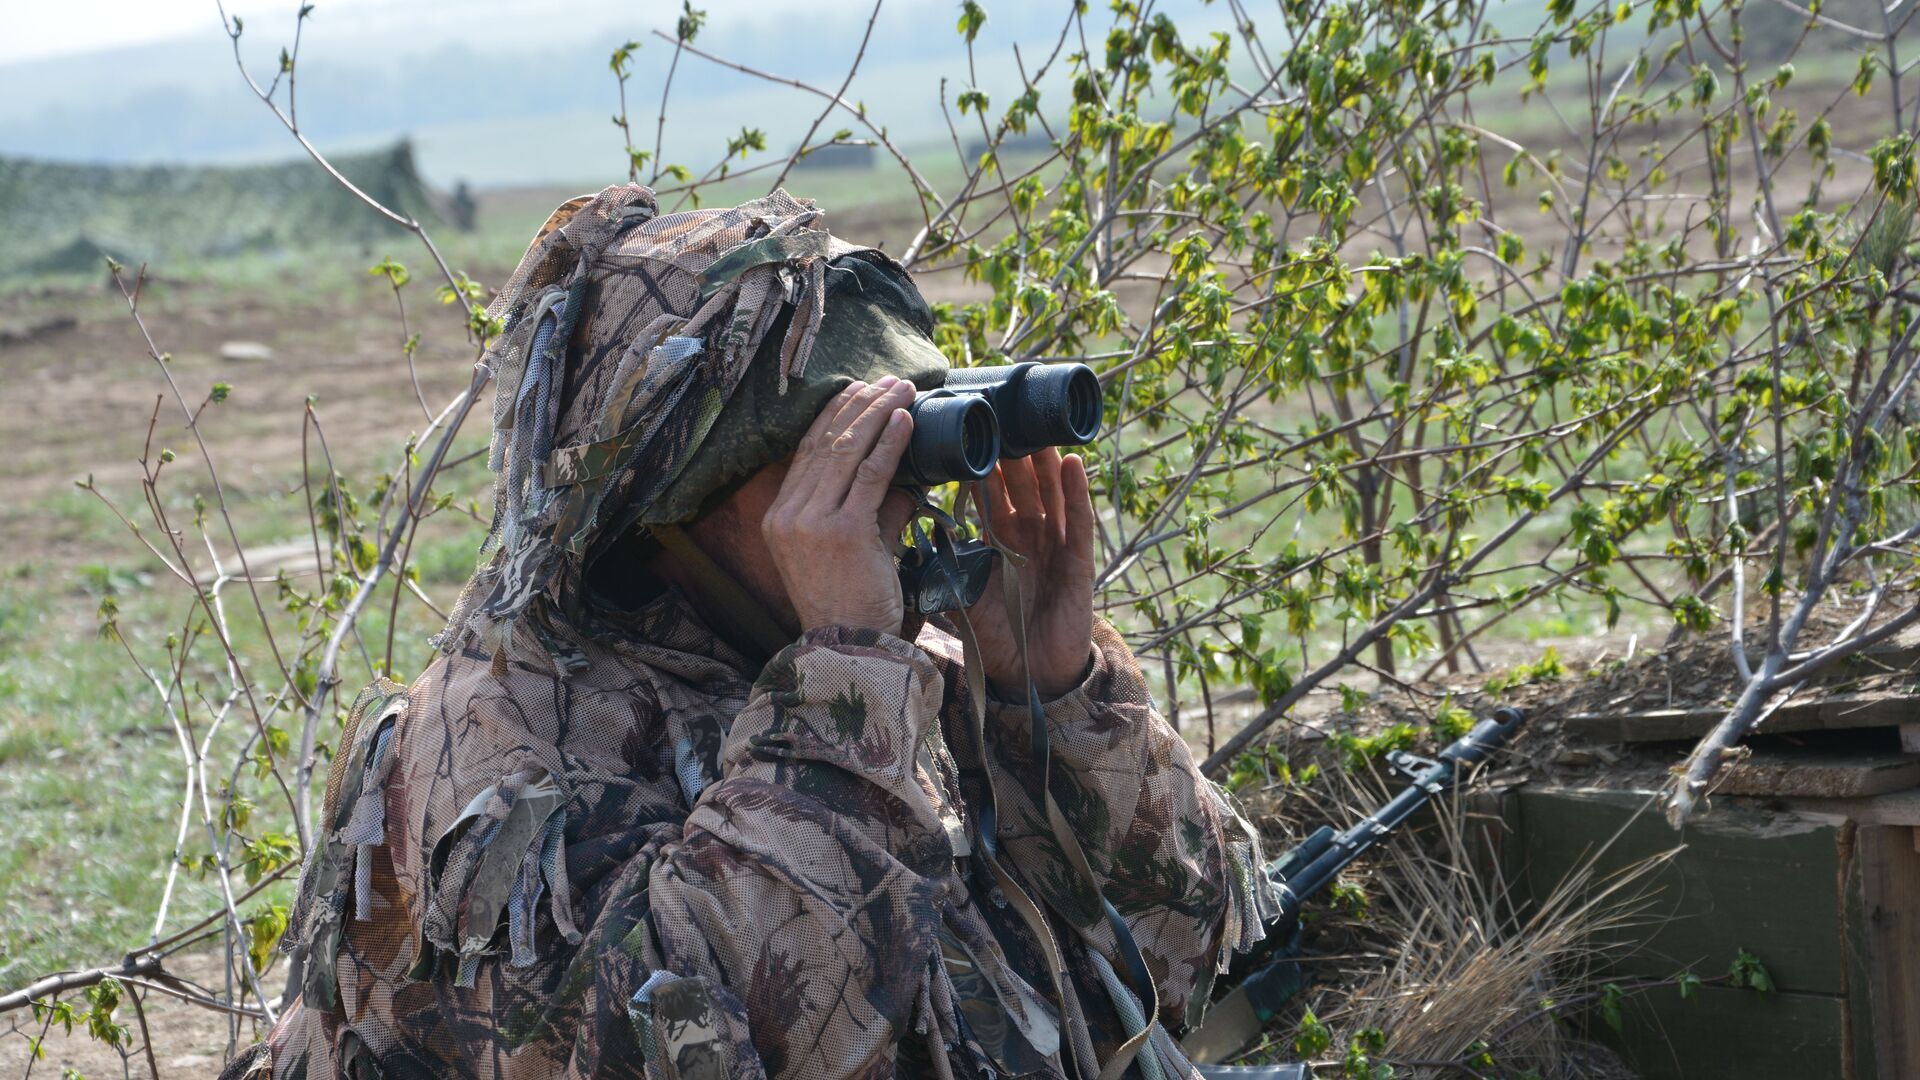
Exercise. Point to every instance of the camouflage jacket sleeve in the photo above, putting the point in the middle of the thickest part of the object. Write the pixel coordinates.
(791, 922)
(809, 878)
(1171, 853)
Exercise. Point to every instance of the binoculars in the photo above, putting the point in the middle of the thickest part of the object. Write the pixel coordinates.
(984, 414)
(960, 432)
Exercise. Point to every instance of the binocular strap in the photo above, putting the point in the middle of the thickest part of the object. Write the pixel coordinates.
(988, 826)
(1132, 967)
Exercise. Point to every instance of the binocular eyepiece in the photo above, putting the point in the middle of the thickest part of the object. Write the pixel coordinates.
(981, 415)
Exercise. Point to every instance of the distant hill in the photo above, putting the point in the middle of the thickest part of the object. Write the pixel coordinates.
(60, 217)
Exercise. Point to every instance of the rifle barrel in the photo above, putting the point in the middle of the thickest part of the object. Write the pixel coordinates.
(1268, 974)
(1325, 857)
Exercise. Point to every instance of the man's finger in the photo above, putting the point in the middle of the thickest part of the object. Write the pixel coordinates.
(1075, 494)
(896, 507)
(848, 408)
(1046, 471)
(829, 418)
(1024, 490)
(799, 482)
(850, 448)
(872, 478)
(993, 496)
(812, 460)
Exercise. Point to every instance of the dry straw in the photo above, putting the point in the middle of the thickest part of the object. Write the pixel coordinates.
(1433, 949)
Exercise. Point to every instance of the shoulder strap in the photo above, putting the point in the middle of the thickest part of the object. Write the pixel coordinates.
(1132, 968)
(746, 618)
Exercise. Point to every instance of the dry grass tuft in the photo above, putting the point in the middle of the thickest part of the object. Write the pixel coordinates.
(1433, 953)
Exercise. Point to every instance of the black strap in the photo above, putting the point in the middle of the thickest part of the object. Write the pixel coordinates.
(1132, 967)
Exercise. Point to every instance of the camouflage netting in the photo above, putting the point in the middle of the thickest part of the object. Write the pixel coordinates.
(594, 839)
(61, 218)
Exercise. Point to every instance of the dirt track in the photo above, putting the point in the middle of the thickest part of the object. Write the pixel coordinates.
(83, 395)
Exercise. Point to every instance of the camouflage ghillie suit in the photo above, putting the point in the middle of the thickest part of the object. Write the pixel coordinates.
(595, 838)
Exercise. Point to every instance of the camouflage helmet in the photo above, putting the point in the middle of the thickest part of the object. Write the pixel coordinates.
(650, 361)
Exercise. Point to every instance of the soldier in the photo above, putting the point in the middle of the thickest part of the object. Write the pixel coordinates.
(685, 794)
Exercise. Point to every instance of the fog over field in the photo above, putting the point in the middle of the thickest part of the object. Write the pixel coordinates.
(495, 93)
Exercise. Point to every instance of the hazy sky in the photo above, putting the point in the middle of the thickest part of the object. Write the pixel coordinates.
(153, 81)
(35, 29)
(31, 30)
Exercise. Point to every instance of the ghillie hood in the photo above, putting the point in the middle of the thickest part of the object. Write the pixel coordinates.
(649, 361)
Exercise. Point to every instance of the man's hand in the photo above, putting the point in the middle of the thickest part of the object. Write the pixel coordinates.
(1040, 508)
(830, 528)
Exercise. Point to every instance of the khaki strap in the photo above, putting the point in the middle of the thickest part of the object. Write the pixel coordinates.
(989, 817)
(1133, 967)
(744, 614)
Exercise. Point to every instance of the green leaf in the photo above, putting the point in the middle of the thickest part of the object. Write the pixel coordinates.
(618, 62)
(395, 273)
(972, 18)
(1610, 998)
(264, 929)
(690, 22)
(1749, 973)
(1312, 1037)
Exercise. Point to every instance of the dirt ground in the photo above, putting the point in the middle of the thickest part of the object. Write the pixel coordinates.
(91, 387)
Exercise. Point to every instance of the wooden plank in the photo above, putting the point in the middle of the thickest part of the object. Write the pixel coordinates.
(1599, 727)
(1893, 808)
(1848, 711)
(1863, 1060)
(1900, 654)
(1749, 878)
(1890, 891)
(1673, 725)
(1665, 725)
(1841, 712)
(1846, 773)
(1722, 1032)
(1688, 724)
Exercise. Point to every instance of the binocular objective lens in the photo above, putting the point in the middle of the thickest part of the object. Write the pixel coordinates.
(1047, 405)
(979, 437)
(1083, 405)
(955, 437)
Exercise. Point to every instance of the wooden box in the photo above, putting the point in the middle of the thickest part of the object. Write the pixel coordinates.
(1824, 892)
